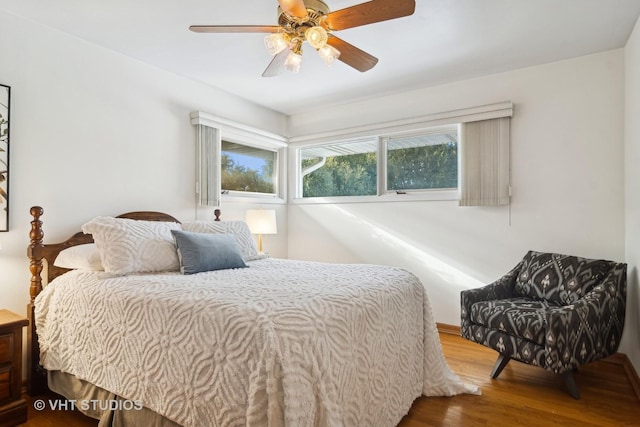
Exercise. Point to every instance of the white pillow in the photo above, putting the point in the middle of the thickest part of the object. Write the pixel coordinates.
(80, 257)
(133, 246)
(239, 229)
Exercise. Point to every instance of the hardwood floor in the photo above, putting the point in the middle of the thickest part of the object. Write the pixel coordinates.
(57, 418)
(522, 396)
(525, 395)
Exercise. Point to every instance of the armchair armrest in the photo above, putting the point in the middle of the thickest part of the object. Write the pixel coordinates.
(589, 329)
(500, 289)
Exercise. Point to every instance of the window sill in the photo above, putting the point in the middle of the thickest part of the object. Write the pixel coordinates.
(435, 195)
(266, 200)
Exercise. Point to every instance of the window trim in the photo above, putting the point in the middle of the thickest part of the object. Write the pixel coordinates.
(383, 148)
(430, 195)
(473, 114)
(251, 137)
(255, 194)
(391, 128)
(383, 193)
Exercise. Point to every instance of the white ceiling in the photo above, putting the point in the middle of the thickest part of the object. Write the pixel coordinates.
(444, 41)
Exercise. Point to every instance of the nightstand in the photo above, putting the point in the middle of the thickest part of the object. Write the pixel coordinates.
(13, 408)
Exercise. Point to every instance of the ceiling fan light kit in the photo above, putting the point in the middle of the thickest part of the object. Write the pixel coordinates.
(302, 24)
(311, 21)
(293, 62)
(328, 54)
(276, 43)
(316, 36)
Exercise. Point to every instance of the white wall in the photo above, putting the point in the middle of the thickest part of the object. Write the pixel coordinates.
(96, 133)
(632, 195)
(567, 174)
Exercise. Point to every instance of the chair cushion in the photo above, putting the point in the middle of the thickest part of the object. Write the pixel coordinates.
(559, 279)
(520, 317)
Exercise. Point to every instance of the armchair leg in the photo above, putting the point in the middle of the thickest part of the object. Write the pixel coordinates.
(570, 383)
(499, 366)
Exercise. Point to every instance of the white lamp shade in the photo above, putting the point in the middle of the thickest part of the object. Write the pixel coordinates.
(276, 43)
(262, 221)
(328, 54)
(293, 62)
(316, 36)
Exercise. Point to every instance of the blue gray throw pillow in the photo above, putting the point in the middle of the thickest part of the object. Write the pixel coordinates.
(200, 252)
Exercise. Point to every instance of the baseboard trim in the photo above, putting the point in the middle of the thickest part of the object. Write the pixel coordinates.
(633, 374)
(443, 328)
(617, 358)
(623, 359)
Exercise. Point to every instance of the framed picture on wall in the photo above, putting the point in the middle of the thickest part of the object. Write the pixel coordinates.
(5, 102)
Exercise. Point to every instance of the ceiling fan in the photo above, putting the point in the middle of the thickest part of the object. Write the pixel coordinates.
(311, 21)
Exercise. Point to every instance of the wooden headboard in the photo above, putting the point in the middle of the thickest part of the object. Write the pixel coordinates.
(38, 251)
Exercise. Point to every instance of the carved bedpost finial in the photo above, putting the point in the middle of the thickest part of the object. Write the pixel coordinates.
(34, 252)
(217, 214)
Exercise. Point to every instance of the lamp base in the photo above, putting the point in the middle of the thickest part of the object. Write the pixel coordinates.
(260, 244)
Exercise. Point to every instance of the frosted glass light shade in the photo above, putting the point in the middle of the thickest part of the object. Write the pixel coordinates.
(293, 62)
(276, 43)
(262, 221)
(316, 36)
(328, 54)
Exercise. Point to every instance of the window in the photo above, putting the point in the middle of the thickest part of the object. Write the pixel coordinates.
(237, 162)
(248, 169)
(344, 169)
(422, 161)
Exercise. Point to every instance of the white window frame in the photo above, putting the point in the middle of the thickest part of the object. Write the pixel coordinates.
(383, 148)
(252, 137)
(387, 129)
(298, 170)
(383, 193)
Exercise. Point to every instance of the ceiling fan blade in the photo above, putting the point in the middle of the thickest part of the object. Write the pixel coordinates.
(276, 66)
(294, 7)
(352, 56)
(369, 12)
(235, 28)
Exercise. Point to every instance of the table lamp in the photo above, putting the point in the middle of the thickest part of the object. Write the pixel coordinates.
(261, 221)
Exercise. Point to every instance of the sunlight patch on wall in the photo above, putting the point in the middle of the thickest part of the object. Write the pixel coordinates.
(401, 249)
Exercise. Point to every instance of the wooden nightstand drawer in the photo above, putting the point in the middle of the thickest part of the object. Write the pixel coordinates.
(6, 348)
(13, 408)
(5, 384)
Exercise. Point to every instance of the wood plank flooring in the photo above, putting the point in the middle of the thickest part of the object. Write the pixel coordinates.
(522, 396)
(525, 395)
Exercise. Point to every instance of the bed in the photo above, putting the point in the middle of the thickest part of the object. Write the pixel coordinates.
(141, 340)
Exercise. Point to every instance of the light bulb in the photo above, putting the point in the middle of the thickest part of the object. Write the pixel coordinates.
(316, 36)
(276, 43)
(293, 62)
(328, 54)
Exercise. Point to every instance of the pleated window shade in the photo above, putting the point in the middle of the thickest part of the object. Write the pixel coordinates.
(208, 179)
(484, 163)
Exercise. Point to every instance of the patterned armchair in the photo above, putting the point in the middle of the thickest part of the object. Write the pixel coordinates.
(553, 311)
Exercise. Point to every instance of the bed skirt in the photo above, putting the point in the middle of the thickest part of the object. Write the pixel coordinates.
(98, 403)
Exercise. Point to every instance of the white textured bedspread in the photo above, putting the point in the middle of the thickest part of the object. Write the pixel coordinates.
(279, 343)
